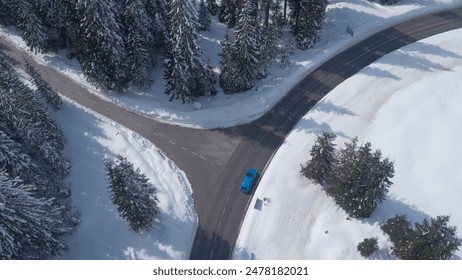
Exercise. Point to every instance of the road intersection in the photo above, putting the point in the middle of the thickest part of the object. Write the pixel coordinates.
(214, 160)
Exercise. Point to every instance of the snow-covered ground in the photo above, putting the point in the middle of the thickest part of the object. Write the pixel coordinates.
(102, 234)
(407, 105)
(362, 16)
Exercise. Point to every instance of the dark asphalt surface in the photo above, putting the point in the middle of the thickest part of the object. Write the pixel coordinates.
(214, 160)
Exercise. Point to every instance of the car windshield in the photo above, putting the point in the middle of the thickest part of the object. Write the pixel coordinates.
(249, 174)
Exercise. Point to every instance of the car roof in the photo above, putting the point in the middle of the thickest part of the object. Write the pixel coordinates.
(252, 171)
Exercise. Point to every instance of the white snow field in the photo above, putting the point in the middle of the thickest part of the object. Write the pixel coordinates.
(407, 104)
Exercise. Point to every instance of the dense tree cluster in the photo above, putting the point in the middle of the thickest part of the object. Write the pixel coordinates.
(118, 42)
(357, 178)
(135, 198)
(33, 207)
(430, 240)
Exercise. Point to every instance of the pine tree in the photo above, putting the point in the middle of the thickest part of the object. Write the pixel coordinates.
(246, 63)
(137, 39)
(435, 240)
(322, 153)
(295, 8)
(187, 76)
(101, 49)
(29, 227)
(204, 17)
(400, 232)
(33, 30)
(50, 95)
(367, 247)
(12, 160)
(31, 121)
(226, 80)
(309, 22)
(5, 16)
(360, 179)
(213, 7)
(430, 240)
(228, 12)
(50, 13)
(135, 198)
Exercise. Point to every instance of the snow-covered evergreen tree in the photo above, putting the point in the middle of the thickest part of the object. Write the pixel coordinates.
(30, 227)
(246, 65)
(322, 154)
(137, 39)
(32, 28)
(12, 159)
(271, 40)
(228, 12)
(227, 64)
(31, 121)
(135, 198)
(50, 95)
(213, 7)
(309, 22)
(51, 14)
(102, 50)
(360, 179)
(430, 240)
(368, 246)
(5, 16)
(187, 75)
(204, 17)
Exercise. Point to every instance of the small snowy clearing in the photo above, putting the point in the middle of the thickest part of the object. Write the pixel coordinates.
(407, 104)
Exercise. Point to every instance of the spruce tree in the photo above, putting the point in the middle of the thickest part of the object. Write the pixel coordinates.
(137, 42)
(187, 75)
(247, 57)
(32, 123)
(213, 7)
(309, 22)
(430, 240)
(228, 12)
(12, 160)
(32, 28)
(30, 228)
(204, 17)
(360, 179)
(367, 247)
(101, 49)
(227, 53)
(435, 239)
(322, 153)
(135, 198)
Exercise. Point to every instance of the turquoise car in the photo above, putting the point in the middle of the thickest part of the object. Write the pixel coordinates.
(248, 181)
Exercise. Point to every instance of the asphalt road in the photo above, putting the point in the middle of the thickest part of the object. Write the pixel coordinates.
(214, 160)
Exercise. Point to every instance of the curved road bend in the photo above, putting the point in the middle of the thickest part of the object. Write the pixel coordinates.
(215, 159)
